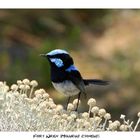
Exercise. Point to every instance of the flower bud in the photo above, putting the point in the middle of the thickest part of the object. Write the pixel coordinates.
(95, 110)
(102, 112)
(107, 116)
(14, 87)
(91, 102)
(34, 83)
(70, 107)
(139, 114)
(26, 81)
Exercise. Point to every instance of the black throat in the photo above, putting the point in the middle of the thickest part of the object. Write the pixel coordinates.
(58, 74)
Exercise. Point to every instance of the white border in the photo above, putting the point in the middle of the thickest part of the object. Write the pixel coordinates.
(70, 4)
(82, 135)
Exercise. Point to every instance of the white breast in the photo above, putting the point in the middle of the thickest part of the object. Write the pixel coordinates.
(67, 88)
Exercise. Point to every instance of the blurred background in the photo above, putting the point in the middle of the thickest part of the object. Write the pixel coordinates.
(105, 44)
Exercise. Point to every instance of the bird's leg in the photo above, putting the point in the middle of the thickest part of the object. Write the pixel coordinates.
(78, 101)
(68, 102)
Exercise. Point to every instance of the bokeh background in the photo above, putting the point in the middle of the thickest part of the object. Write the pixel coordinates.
(104, 44)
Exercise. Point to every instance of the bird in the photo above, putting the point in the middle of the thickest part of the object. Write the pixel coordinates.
(65, 76)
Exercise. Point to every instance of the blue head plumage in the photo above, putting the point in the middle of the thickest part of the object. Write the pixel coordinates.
(57, 51)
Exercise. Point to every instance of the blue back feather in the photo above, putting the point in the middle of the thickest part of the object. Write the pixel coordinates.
(72, 67)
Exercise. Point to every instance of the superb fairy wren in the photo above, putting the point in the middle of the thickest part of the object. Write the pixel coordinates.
(65, 76)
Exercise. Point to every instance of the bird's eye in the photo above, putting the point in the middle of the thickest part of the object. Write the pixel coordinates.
(58, 62)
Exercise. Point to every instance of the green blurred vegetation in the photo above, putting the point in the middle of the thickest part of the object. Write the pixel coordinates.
(27, 33)
(104, 44)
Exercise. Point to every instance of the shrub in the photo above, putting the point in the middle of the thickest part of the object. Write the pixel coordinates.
(22, 108)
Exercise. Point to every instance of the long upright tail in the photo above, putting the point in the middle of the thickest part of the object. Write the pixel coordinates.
(96, 82)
